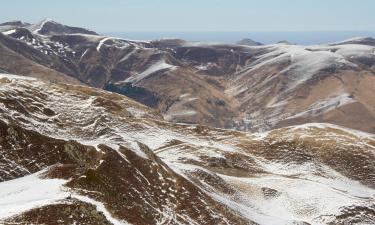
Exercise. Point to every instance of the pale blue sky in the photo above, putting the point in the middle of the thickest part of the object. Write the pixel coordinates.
(198, 15)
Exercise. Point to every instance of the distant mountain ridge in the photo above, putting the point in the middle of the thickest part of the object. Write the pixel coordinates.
(242, 87)
(249, 42)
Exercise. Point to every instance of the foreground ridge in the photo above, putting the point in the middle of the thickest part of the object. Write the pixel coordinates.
(112, 160)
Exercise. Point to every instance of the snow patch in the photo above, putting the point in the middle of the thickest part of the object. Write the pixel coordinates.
(9, 32)
(22, 194)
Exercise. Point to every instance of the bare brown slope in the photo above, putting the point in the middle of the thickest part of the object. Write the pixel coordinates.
(359, 114)
(13, 62)
(191, 98)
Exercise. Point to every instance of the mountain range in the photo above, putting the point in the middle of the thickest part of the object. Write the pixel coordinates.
(105, 130)
(244, 87)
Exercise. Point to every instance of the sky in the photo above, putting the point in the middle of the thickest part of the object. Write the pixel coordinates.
(198, 15)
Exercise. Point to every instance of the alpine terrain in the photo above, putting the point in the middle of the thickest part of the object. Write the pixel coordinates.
(103, 130)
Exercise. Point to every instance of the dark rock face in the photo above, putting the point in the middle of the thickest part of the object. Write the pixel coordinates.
(139, 94)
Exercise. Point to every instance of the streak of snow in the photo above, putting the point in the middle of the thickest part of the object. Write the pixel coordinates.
(158, 66)
(83, 55)
(40, 26)
(15, 77)
(128, 55)
(169, 116)
(101, 208)
(102, 42)
(325, 105)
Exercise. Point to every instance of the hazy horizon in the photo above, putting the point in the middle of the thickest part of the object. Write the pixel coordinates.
(265, 37)
(270, 37)
(198, 16)
(267, 21)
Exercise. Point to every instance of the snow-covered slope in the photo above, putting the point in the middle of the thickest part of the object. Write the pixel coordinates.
(109, 154)
(289, 84)
(22, 194)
